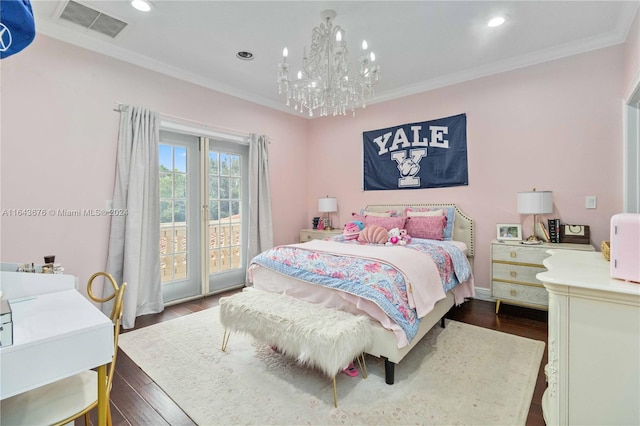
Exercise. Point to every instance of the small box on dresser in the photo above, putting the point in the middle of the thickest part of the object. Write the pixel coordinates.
(317, 234)
(513, 272)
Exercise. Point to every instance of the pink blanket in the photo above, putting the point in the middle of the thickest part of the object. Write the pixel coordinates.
(424, 286)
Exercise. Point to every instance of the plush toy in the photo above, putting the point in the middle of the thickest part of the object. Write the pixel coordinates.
(395, 238)
(404, 236)
(352, 230)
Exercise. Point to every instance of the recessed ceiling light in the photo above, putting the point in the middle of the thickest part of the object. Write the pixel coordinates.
(141, 5)
(496, 22)
(244, 55)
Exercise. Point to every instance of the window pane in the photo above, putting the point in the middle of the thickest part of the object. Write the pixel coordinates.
(179, 211)
(214, 238)
(235, 189)
(213, 163)
(180, 185)
(165, 157)
(180, 267)
(213, 187)
(235, 211)
(166, 211)
(235, 165)
(225, 164)
(180, 159)
(166, 268)
(166, 184)
(224, 188)
(224, 210)
(214, 213)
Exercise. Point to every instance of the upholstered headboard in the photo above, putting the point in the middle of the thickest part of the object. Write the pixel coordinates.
(462, 225)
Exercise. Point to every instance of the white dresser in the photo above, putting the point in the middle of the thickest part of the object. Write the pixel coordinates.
(513, 272)
(593, 373)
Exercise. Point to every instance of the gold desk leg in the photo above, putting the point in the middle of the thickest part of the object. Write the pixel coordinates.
(362, 364)
(497, 306)
(102, 395)
(335, 393)
(225, 339)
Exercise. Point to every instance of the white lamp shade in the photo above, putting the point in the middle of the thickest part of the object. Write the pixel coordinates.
(328, 204)
(535, 202)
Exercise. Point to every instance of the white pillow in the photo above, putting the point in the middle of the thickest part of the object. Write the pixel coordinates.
(377, 214)
(426, 213)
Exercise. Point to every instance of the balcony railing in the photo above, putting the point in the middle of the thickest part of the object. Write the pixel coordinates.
(225, 252)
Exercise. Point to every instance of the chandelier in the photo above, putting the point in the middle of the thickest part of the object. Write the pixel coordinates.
(325, 83)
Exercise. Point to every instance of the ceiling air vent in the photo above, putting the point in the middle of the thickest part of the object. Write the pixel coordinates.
(92, 19)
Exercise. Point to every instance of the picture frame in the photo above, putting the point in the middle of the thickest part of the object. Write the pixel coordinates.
(509, 231)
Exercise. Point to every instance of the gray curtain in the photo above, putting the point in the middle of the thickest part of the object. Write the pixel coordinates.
(260, 222)
(134, 242)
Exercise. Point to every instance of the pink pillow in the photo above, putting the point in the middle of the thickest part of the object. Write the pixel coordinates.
(429, 227)
(386, 222)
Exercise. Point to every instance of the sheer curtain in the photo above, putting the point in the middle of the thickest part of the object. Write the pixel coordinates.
(260, 220)
(134, 242)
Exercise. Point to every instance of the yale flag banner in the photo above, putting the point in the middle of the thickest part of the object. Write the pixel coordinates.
(429, 154)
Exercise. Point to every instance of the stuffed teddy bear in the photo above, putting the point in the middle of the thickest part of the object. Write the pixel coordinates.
(404, 236)
(352, 230)
(395, 238)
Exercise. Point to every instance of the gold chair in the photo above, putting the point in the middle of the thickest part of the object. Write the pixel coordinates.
(60, 402)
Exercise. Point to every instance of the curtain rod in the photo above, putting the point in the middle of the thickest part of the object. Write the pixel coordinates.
(196, 123)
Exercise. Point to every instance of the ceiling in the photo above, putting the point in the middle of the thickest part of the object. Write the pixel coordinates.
(419, 45)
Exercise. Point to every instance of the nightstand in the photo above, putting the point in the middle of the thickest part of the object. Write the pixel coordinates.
(513, 272)
(317, 234)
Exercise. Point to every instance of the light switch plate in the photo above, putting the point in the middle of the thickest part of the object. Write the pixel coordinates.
(591, 202)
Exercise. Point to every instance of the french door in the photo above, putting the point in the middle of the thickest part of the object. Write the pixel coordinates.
(203, 215)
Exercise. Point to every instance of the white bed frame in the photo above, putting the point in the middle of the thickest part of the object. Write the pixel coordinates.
(384, 341)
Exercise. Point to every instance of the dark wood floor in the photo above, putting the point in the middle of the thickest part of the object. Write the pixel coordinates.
(137, 400)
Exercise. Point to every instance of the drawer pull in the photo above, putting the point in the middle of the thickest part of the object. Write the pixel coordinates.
(514, 274)
(513, 292)
(514, 254)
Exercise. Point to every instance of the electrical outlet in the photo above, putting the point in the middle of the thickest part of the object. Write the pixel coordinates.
(591, 202)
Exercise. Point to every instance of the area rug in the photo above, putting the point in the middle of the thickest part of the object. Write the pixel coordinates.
(459, 375)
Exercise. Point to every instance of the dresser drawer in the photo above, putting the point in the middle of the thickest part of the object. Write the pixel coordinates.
(520, 254)
(515, 272)
(520, 293)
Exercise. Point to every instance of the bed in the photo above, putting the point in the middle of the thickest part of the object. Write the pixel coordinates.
(392, 342)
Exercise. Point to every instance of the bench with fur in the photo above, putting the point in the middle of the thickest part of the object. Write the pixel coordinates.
(321, 337)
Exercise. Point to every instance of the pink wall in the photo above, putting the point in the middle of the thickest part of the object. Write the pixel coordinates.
(555, 126)
(59, 135)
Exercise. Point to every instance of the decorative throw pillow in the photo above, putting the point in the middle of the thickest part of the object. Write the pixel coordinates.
(373, 234)
(429, 227)
(449, 212)
(386, 222)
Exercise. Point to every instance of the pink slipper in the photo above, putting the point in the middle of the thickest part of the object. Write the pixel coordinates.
(350, 370)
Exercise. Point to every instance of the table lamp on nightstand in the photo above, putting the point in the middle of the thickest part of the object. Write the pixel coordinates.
(535, 203)
(328, 205)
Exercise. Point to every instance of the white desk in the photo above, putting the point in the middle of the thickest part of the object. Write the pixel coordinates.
(55, 335)
(593, 372)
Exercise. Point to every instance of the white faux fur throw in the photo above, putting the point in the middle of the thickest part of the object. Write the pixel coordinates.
(318, 336)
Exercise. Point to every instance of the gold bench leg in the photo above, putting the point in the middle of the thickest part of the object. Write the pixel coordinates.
(497, 306)
(225, 339)
(335, 393)
(362, 364)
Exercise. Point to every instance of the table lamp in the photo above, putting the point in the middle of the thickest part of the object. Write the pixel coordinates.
(328, 205)
(535, 203)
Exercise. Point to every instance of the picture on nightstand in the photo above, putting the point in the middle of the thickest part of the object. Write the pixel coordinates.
(509, 231)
